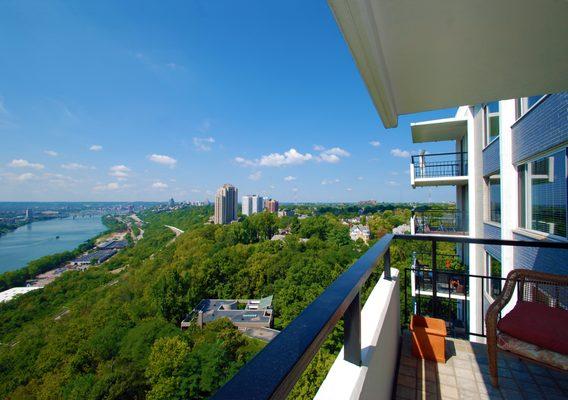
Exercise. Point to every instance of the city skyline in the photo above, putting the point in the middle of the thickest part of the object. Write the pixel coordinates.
(131, 114)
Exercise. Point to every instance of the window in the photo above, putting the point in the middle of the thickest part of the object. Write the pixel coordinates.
(491, 122)
(493, 269)
(525, 103)
(543, 194)
(494, 185)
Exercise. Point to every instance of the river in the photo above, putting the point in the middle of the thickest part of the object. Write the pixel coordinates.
(38, 239)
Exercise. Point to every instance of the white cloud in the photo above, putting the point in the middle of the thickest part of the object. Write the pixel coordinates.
(119, 171)
(375, 143)
(400, 153)
(96, 147)
(73, 166)
(24, 177)
(290, 178)
(295, 190)
(255, 176)
(203, 143)
(162, 159)
(60, 180)
(294, 157)
(290, 157)
(108, 186)
(393, 183)
(359, 178)
(333, 155)
(20, 163)
(349, 189)
(159, 185)
(244, 162)
(51, 153)
(318, 147)
(330, 181)
(195, 190)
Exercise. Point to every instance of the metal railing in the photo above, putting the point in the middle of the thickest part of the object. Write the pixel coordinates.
(273, 372)
(440, 220)
(439, 165)
(452, 300)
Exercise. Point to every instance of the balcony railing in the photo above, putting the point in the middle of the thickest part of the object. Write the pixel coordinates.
(446, 294)
(272, 373)
(439, 165)
(439, 221)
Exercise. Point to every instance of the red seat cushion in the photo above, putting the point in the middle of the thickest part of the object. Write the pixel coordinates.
(537, 324)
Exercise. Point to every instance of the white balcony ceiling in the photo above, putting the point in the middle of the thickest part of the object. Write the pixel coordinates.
(423, 55)
(438, 130)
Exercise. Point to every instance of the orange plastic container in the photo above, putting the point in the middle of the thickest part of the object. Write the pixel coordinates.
(428, 338)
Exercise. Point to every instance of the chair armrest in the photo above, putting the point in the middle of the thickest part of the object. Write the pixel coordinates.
(500, 303)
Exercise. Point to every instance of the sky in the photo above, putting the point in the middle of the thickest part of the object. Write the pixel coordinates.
(134, 100)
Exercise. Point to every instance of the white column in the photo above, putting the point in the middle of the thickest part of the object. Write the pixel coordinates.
(475, 200)
(509, 186)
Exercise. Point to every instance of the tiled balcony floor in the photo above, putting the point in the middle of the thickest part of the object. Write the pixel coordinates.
(466, 376)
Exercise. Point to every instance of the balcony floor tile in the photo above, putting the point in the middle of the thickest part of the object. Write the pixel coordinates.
(465, 375)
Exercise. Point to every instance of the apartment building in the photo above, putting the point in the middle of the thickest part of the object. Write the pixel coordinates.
(226, 206)
(271, 205)
(252, 204)
(509, 175)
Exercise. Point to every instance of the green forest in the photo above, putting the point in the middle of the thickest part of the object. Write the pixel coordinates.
(114, 331)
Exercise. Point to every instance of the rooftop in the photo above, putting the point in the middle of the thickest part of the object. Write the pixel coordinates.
(9, 294)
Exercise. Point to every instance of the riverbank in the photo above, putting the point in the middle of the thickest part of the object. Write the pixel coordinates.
(52, 262)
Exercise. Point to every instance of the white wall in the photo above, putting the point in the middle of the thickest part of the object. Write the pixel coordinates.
(380, 340)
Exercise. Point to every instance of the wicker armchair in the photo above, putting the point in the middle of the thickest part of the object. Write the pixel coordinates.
(532, 287)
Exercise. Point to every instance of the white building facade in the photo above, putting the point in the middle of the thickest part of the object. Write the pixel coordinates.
(509, 174)
(252, 204)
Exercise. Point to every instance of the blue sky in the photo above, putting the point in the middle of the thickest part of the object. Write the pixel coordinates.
(139, 100)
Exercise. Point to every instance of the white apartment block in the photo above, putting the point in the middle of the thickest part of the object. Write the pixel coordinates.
(252, 204)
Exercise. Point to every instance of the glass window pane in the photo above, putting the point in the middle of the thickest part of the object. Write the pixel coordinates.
(494, 266)
(495, 198)
(532, 100)
(545, 194)
(492, 125)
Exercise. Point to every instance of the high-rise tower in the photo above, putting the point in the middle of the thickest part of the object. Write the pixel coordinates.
(226, 204)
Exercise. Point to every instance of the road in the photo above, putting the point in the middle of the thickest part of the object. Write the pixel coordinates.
(175, 230)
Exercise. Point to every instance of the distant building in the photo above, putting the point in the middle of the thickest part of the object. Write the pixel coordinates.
(98, 256)
(9, 294)
(226, 204)
(271, 205)
(252, 204)
(286, 213)
(401, 229)
(113, 244)
(29, 214)
(172, 202)
(253, 317)
(360, 232)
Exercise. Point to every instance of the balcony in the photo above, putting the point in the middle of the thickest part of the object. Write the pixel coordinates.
(442, 221)
(375, 361)
(466, 376)
(441, 169)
